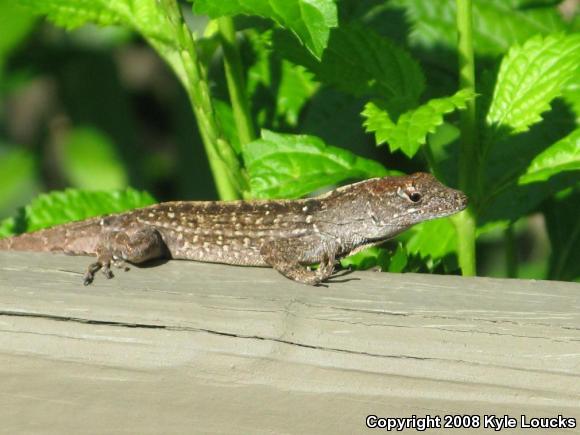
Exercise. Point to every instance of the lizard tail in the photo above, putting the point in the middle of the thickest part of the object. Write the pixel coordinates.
(79, 237)
(43, 240)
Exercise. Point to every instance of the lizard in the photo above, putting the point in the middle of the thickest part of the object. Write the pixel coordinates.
(288, 235)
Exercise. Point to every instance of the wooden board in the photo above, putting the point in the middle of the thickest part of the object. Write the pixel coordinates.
(187, 347)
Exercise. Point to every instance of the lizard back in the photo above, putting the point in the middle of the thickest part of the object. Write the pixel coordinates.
(231, 232)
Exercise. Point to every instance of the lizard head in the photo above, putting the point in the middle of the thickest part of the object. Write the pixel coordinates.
(410, 199)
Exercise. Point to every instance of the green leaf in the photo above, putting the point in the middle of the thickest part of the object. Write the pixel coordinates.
(411, 129)
(297, 85)
(433, 239)
(498, 24)
(291, 166)
(398, 260)
(225, 117)
(367, 259)
(18, 180)
(7, 227)
(279, 88)
(90, 161)
(15, 23)
(361, 62)
(564, 155)
(571, 95)
(563, 228)
(74, 13)
(335, 117)
(530, 77)
(394, 262)
(60, 207)
(145, 16)
(511, 202)
(309, 20)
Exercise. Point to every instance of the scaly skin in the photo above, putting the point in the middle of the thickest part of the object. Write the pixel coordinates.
(287, 235)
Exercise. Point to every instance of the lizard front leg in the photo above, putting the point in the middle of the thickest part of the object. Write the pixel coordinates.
(121, 246)
(289, 257)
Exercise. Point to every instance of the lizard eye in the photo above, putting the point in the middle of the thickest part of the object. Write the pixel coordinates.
(415, 196)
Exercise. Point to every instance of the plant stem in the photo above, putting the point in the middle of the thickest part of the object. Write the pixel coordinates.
(235, 78)
(228, 176)
(466, 221)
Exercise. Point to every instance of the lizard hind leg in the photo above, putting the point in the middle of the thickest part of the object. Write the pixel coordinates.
(285, 257)
(121, 247)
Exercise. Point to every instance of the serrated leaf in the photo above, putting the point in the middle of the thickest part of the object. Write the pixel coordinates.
(410, 131)
(509, 157)
(286, 92)
(309, 20)
(497, 24)
(60, 207)
(145, 16)
(564, 155)
(291, 166)
(335, 117)
(73, 13)
(90, 161)
(530, 77)
(433, 239)
(361, 62)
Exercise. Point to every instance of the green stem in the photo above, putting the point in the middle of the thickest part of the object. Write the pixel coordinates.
(511, 259)
(228, 176)
(466, 221)
(431, 161)
(235, 79)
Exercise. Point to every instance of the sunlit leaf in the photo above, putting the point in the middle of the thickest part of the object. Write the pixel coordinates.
(71, 205)
(410, 131)
(309, 20)
(564, 155)
(433, 239)
(378, 257)
(530, 77)
(144, 16)
(290, 166)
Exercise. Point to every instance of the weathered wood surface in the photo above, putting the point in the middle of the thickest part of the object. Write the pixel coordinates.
(196, 348)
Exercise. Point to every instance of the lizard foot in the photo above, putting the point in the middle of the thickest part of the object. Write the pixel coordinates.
(89, 276)
(103, 266)
(121, 264)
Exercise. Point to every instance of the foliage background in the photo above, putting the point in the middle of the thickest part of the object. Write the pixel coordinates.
(98, 108)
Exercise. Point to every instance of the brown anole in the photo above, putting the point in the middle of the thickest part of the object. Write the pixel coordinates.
(287, 235)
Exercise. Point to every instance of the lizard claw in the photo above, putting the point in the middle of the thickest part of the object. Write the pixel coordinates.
(107, 271)
(89, 276)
